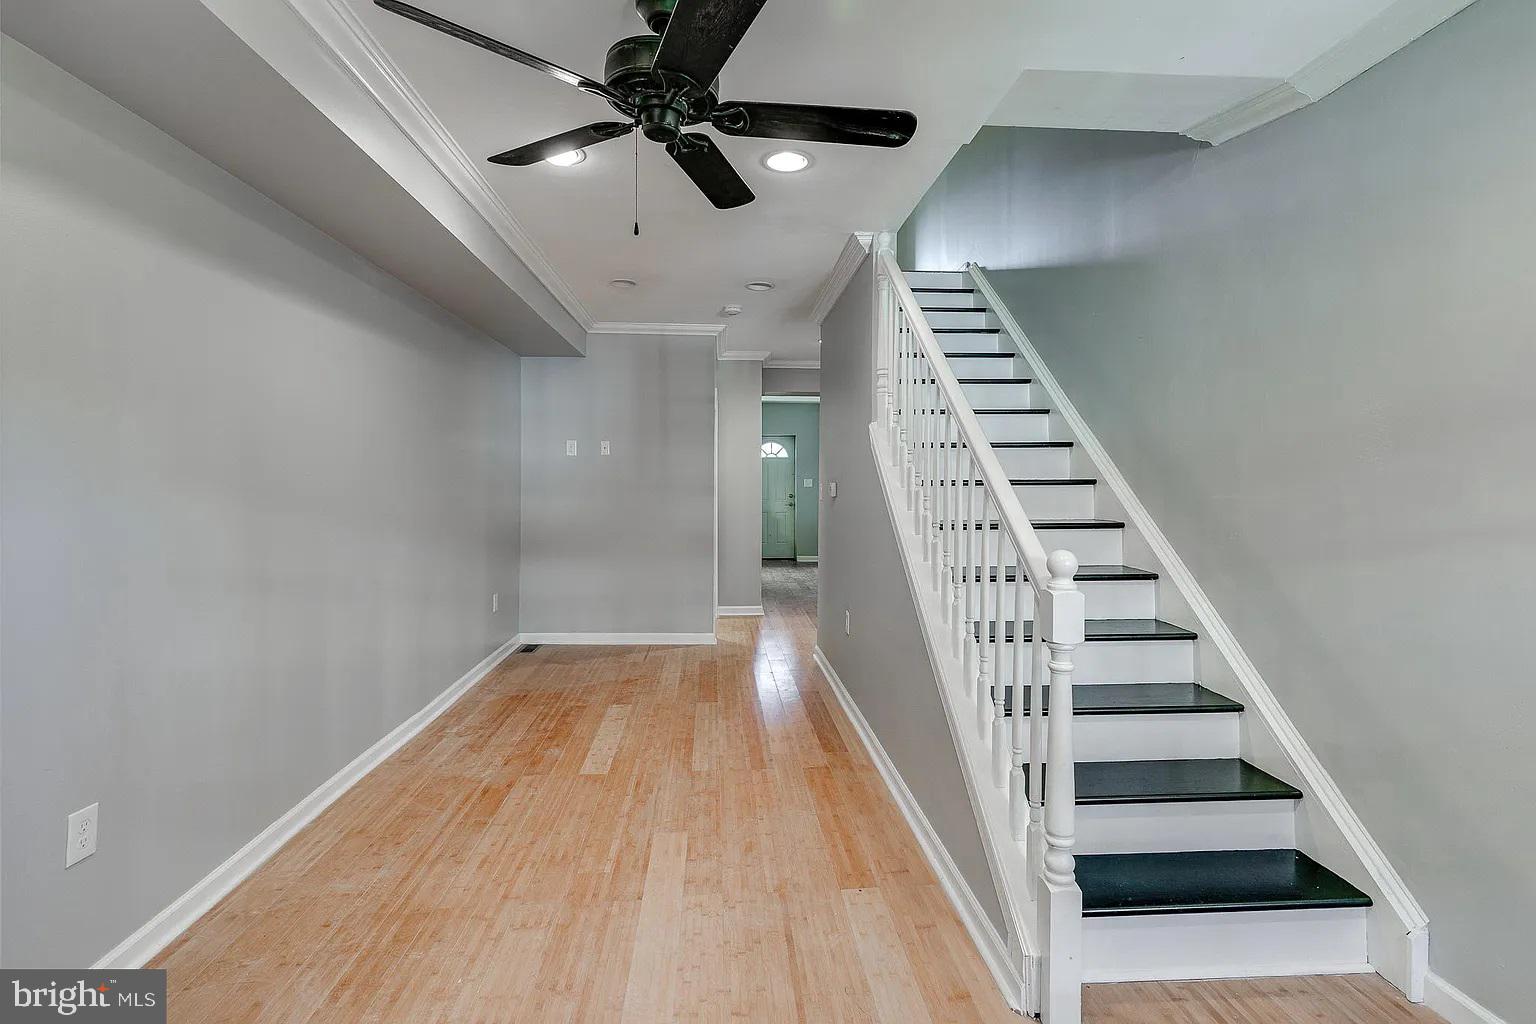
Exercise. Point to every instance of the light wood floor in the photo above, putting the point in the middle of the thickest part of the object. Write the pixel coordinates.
(639, 834)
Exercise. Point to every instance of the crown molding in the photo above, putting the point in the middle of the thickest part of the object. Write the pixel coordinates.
(349, 43)
(1381, 37)
(793, 364)
(1258, 110)
(628, 327)
(854, 251)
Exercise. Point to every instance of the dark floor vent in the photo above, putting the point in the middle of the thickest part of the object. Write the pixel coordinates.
(527, 648)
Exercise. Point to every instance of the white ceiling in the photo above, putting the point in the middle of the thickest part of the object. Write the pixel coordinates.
(690, 259)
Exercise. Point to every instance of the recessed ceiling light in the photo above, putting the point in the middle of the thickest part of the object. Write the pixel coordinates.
(759, 286)
(623, 283)
(732, 310)
(786, 161)
(570, 159)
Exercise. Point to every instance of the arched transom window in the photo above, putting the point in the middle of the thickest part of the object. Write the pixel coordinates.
(774, 450)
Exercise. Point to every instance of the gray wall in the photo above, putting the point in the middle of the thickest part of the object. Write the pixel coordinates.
(883, 662)
(791, 380)
(256, 498)
(741, 482)
(622, 543)
(1312, 350)
(802, 420)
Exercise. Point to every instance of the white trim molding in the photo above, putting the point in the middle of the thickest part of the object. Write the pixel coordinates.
(854, 251)
(137, 949)
(625, 327)
(1455, 1005)
(729, 610)
(1398, 925)
(807, 558)
(742, 357)
(792, 364)
(989, 942)
(1381, 37)
(619, 639)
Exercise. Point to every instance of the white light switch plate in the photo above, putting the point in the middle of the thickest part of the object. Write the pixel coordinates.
(82, 835)
(570, 447)
(606, 448)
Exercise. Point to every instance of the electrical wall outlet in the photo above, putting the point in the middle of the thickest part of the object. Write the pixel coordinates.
(809, 482)
(570, 447)
(495, 603)
(847, 622)
(82, 835)
(831, 488)
(606, 448)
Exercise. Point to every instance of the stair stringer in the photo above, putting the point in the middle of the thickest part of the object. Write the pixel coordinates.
(1327, 827)
(1006, 858)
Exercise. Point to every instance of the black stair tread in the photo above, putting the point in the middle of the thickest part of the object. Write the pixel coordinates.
(1209, 882)
(1185, 780)
(966, 330)
(953, 309)
(981, 355)
(1034, 481)
(944, 291)
(1094, 573)
(984, 380)
(1003, 412)
(1108, 629)
(1135, 699)
(1016, 444)
(1055, 524)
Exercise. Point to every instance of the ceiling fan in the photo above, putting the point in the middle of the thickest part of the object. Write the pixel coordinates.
(667, 81)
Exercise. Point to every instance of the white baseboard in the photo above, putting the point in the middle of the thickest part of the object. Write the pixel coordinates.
(727, 610)
(1399, 926)
(1455, 1005)
(807, 558)
(992, 946)
(157, 933)
(618, 639)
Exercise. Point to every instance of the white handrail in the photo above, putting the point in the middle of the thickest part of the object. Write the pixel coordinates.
(953, 480)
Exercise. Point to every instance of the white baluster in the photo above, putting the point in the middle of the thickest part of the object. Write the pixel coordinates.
(984, 659)
(972, 498)
(1018, 794)
(935, 463)
(999, 680)
(909, 417)
(957, 610)
(1061, 900)
(1035, 836)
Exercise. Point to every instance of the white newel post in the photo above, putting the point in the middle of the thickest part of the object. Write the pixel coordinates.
(1060, 618)
(885, 337)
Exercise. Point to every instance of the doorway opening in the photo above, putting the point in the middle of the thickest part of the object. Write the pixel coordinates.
(778, 462)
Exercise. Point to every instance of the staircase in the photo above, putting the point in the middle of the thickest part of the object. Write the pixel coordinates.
(1184, 853)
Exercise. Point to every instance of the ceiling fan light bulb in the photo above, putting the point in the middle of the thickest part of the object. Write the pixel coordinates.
(786, 161)
(570, 159)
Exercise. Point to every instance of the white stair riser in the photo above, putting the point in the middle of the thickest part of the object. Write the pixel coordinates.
(1126, 599)
(973, 343)
(1011, 396)
(1253, 944)
(938, 279)
(987, 369)
(1056, 501)
(1092, 547)
(964, 300)
(1130, 661)
(1011, 427)
(1036, 463)
(1183, 827)
(960, 318)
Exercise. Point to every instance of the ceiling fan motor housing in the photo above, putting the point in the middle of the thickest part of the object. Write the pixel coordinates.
(655, 13)
(664, 108)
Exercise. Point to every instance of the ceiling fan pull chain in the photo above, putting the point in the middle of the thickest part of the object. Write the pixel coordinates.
(637, 184)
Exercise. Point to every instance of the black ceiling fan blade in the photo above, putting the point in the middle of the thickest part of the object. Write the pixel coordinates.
(703, 162)
(576, 138)
(701, 36)
(485, 42)
(804, 122)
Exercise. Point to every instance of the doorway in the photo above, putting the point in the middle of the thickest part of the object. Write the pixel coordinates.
(778, 460)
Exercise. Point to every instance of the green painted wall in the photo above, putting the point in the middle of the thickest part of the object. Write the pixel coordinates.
(803, 420)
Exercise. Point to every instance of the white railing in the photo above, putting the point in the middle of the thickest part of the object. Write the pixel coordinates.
(964, 510)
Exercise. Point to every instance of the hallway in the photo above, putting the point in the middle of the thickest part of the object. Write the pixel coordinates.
(640, 834)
